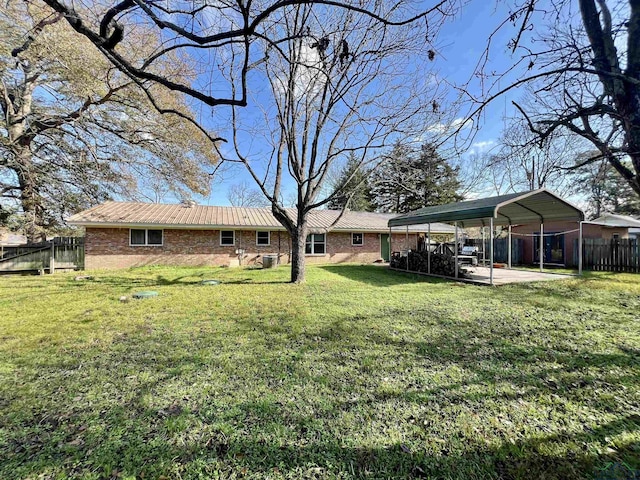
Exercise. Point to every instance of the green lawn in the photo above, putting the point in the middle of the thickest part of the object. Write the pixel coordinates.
(360, 373)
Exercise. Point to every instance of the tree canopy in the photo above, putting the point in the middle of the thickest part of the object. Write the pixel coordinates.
(412, 178)
(75, 130)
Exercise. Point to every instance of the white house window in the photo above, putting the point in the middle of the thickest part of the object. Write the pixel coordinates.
(315, 244)
(263, 238)
(357, 238)
(145, 237)
(227, 237)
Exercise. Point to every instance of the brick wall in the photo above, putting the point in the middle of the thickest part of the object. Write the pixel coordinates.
(340, 249)
(109, 248)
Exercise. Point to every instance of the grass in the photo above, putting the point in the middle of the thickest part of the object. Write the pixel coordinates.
(360, 373)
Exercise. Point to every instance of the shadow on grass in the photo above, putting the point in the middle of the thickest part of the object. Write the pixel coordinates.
(129, 439)
(208, 433)
(378, 275)
(251, 281)
(265, 400)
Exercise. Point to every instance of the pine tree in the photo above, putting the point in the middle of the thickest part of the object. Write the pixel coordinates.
(607, 191)
(352, 188)
(411, 179)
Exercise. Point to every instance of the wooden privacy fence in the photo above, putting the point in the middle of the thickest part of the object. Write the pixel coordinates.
(61, 253)
(622, 255)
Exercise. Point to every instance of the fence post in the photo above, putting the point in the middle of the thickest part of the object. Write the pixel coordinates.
(52, 258)
(580, 250)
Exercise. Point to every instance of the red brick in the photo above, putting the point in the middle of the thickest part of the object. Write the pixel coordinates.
(109, 248)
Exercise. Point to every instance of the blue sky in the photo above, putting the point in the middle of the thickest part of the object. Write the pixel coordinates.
(459, 46)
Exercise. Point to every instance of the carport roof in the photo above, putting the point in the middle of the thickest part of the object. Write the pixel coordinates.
(535, 206)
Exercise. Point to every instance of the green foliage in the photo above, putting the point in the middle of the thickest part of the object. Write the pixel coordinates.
(411, 179)
(360, 373)
(607, 190)
(352, 188)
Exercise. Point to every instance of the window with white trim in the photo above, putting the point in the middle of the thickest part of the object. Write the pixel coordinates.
(316, 244)
(141, 237)
(357, 239)
(227, 237)
(263, 238)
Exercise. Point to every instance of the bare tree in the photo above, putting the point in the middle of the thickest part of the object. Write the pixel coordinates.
(330, 66)
(522, 161)
(332, 94)
(245, 194)
(583, 66)
(75, 130)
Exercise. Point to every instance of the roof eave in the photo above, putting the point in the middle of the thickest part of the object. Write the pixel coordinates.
(172, 226)
(224, 227)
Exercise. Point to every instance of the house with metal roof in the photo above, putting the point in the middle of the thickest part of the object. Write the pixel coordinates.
(126, 234)
(618, 226)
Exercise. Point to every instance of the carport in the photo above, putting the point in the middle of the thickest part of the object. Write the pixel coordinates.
(533, 207)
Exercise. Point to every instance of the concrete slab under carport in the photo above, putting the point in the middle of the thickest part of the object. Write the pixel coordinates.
(481, 276)
(505, 276)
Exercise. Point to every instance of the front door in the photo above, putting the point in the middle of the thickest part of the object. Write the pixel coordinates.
(384, 246)
(553, 249)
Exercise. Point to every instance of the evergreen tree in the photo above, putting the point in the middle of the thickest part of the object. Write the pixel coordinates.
(411, 179)
(352, 188)
(607, 191)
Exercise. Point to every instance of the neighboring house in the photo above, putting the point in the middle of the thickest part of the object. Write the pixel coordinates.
(124, 234)
(561, 238)
(8, 238)
(618, 226)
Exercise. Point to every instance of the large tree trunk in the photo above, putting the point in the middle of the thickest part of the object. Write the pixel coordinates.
(21, 131)
(298, 244)
(30, 199)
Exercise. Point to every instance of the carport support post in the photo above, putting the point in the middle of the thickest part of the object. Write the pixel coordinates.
(484, 250)
(509, 248)
(580, 249)
(491, 251)
(406, 245)
(541, 249)
(456, 248)
(429, 248)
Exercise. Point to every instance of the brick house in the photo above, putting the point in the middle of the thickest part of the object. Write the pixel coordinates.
(127, 234)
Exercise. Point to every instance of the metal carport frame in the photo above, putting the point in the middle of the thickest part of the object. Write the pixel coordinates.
(522, 208)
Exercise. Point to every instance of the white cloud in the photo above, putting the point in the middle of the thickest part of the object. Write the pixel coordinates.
(440, 128)
(478, 148)
(485, 145)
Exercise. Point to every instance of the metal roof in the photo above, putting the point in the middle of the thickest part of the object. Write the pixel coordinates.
(534, 206)
(124, 214)
(612, 220)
